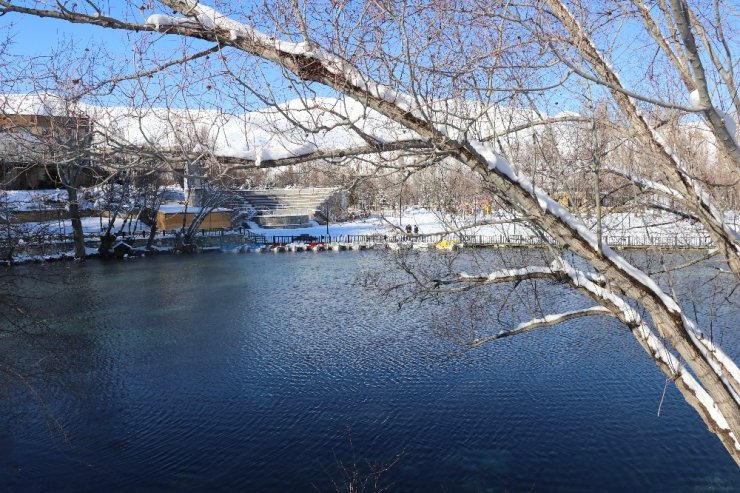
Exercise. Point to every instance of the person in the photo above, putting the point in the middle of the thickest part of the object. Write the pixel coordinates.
(408, 229)
(416, 229)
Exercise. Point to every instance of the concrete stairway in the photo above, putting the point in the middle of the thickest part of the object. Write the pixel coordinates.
(284, 207)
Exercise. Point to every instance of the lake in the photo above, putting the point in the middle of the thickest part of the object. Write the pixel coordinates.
(278, 373)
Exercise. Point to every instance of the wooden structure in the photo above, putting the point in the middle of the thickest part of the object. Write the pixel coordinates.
(171, 217)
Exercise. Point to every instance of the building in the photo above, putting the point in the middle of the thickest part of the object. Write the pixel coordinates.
(175, 216)
(44, 151)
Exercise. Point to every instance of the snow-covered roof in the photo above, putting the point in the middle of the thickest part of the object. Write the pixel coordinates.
(42, 104)
(181, 208)
(272, 133)
(293, 128)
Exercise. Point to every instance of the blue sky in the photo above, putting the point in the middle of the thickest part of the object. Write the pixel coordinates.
(33, 36)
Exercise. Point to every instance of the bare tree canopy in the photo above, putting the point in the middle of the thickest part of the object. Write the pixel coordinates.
(492, 86)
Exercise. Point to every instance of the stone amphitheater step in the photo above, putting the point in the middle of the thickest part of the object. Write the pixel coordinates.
(284, 201)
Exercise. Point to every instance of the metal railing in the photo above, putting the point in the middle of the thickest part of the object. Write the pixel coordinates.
(668, 241)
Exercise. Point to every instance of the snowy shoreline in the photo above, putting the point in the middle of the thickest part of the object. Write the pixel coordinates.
(498, 229)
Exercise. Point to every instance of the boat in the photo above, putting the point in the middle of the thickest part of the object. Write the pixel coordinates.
(421, 246)
(447, 245)
(296, 247)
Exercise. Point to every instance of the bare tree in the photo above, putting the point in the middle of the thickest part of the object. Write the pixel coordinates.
(425, 82)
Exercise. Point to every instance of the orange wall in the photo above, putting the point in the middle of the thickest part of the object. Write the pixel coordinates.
(168, 220)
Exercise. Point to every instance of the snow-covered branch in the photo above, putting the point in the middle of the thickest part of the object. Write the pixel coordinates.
(237, 163)
(464, 281)
(707, 407)
(724, 127)
(313, 64)
(714, 395)
(726, 70)
(694, 196)
(644, 183)
(547, 321)
(594, 286)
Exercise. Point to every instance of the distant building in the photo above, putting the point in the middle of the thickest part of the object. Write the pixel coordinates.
(35, 150)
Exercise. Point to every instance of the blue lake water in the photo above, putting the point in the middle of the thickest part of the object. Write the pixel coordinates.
(278, 373)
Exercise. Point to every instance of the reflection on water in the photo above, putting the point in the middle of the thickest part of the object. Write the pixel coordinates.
(266, 373)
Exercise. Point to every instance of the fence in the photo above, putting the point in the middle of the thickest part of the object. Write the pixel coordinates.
(44, 243)
(621, 241)
(618, 241)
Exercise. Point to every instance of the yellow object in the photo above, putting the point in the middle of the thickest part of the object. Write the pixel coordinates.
(446, 245)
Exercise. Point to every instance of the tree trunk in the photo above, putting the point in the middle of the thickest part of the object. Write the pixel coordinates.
(152, 234)
(665, 313)
(78, 236)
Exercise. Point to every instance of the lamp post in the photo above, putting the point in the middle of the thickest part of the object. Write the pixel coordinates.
(326, 216)
(400, 206)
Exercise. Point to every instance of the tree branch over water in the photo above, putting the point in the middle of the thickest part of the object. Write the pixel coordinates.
(445, 92)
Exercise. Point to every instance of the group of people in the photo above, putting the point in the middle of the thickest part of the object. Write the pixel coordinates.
(409, 229)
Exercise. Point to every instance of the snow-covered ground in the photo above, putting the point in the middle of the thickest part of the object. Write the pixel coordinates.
(33, 200)
(637, 228)
(92, 198)
(499, 223)
(634, 230)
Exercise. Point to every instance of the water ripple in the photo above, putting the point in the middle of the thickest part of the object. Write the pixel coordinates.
(267, 373)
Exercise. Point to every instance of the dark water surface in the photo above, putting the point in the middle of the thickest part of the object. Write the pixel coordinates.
(263, 373)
